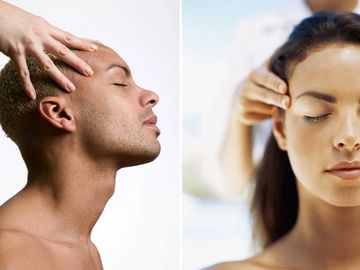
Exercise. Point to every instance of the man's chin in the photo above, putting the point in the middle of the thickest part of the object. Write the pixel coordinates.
(142, 157)
(149, 156)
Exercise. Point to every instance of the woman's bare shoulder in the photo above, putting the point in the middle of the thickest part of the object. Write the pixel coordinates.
(273, 257)
(249, 264)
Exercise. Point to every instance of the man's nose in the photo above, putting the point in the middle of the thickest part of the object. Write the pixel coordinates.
(348, 134)
(149, 98)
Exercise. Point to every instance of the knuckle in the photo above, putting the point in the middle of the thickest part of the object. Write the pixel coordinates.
(37, 30)
(68, 37)
(24, 74)
(62, 52)
(16, 50)
(48, 64)
(28, 41)
(79, 64)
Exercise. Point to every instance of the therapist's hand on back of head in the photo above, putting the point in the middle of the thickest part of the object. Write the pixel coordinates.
(23, 34)
(259, 95)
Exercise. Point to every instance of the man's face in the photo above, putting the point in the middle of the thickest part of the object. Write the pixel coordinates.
(114, 116)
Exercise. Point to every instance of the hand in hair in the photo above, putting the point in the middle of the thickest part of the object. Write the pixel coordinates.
(255, 100)
(258, 94)
(23, 34)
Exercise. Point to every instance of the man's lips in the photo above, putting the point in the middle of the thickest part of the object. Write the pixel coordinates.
(151, 122)
(346, 170)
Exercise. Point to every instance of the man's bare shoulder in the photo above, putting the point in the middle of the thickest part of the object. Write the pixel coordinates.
(15, 249)
(12, 238)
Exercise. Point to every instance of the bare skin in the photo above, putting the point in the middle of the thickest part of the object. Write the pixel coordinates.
(48, 224)
(326, 235)
(255, 101)
(24, 34)
(331, 5)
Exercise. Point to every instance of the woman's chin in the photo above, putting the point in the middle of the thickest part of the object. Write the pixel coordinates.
(347, 199)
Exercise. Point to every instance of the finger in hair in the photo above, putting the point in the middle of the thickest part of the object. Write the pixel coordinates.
(53, 71)
(23, 72)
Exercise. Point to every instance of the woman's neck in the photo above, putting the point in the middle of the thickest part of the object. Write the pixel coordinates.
(327, 234)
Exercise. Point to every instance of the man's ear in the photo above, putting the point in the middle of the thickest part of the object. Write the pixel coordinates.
(279, 129)
(55, 110)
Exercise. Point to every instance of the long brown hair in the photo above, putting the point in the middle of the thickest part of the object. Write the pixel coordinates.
(274, 206)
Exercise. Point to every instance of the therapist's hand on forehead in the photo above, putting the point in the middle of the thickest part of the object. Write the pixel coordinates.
(23, 34)
(259, 94)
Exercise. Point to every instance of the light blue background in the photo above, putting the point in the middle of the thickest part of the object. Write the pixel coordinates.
(207, 25)
(213, 230)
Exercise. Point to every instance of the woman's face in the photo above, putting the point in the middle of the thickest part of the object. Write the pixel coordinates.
(322, 127)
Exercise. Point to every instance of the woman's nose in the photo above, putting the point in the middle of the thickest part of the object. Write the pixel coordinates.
(348, 134)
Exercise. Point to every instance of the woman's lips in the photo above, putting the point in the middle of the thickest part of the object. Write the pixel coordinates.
(348, 174)
(346, 170)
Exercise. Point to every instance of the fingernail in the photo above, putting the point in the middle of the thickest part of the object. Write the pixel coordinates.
(285, 102)
(89, 71)
(93, 47)
(70, 86)
(33, 95)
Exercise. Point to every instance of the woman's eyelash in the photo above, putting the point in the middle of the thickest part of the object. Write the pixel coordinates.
(316, 119)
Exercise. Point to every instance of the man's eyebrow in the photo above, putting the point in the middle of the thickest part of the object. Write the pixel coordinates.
(124, 68)
(318, 95)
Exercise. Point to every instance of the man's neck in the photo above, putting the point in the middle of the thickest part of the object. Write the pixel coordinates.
(66, 201)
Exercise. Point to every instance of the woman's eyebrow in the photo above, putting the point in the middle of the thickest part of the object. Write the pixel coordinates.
(318, 95)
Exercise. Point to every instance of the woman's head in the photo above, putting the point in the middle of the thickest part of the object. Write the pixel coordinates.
(320, 63)
(322, 127)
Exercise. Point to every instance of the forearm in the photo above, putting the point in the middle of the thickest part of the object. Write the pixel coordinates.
(236, 155)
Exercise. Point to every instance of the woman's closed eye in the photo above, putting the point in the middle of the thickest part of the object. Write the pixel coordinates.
(120, 84)
(316, 119)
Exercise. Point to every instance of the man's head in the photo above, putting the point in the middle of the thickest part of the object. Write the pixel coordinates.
(108, 117)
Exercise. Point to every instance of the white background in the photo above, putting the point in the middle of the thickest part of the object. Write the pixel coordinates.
(140, 226)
